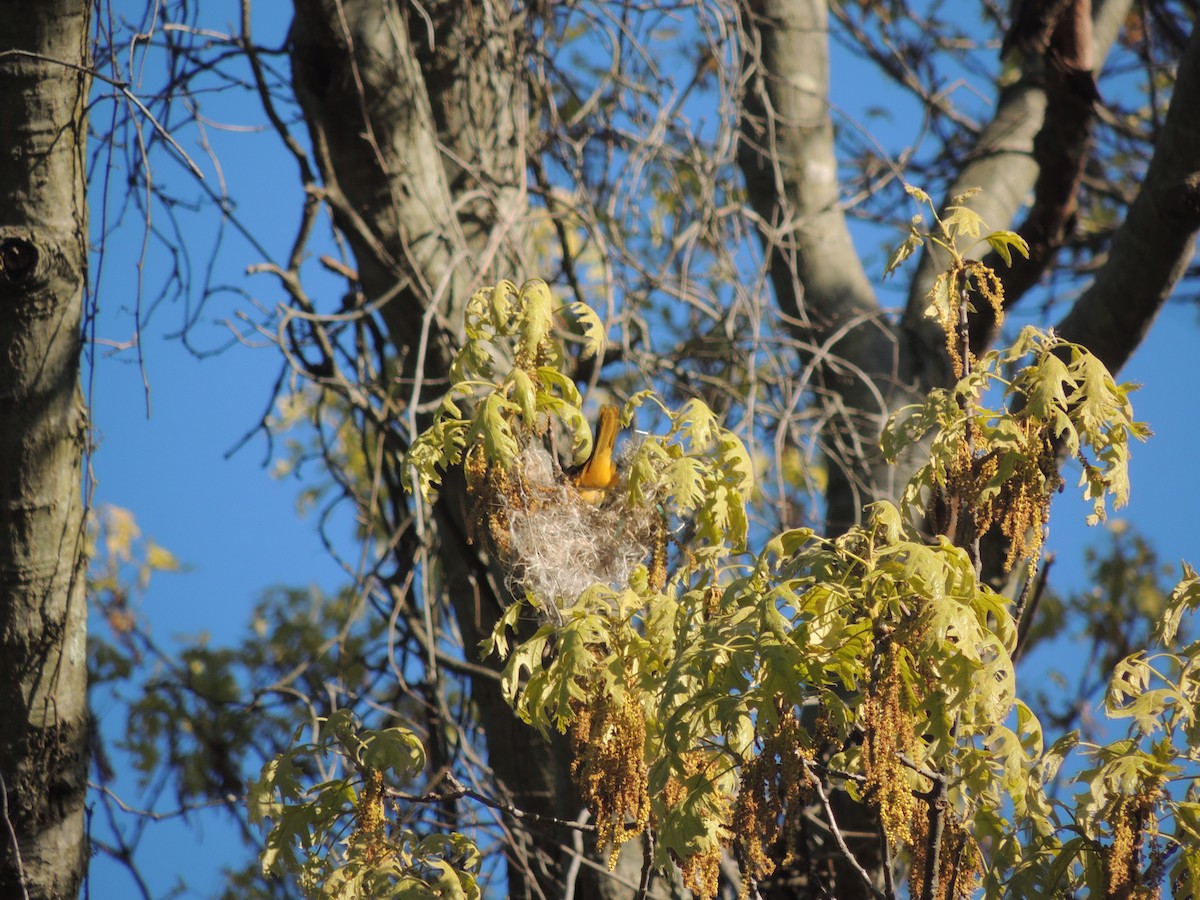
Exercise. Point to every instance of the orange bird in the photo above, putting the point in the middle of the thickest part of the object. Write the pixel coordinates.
(599, 473)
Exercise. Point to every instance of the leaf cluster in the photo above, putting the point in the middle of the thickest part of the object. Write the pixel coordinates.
(1131, 821)
(336, 835)
(1048, 396)
(505, 379)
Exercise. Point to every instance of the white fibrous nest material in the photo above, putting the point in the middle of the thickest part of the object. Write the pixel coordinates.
(560, 545)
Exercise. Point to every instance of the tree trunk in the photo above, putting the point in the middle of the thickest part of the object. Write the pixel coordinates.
(43, 616)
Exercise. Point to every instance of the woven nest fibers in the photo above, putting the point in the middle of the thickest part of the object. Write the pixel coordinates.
(556, 544)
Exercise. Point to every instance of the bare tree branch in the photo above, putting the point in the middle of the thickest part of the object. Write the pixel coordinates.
(1153, 247)
(1060, 151)
(1003, 162)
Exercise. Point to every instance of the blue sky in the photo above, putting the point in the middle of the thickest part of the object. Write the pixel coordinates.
(237, 529)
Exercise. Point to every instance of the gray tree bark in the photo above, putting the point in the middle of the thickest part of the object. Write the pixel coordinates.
(43, 430)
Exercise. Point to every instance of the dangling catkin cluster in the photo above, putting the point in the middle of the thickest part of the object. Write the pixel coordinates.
(948, 284)
(370, 830)
(1021, 507)
(959, 862)
(1131, 818)
(700, 872)
(772, 797)
(608, 740)
(889, 733)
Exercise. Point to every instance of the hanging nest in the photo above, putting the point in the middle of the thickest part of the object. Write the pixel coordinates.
(554, 544)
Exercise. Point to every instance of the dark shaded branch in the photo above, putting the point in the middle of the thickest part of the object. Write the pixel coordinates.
(1153, 247)
(1004, 163)
(931, 887)
(1027, 605)
(647, 863)
(1060, 152)
(1033, 25)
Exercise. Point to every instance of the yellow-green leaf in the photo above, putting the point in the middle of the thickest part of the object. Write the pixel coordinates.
(537, 314)
(1003, 241)
(593, 328)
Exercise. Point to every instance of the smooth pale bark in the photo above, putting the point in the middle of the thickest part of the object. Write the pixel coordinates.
(786, 153)
(43, 616)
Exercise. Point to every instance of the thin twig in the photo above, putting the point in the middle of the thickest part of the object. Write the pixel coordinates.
(1027, 605)
(577, 857)
(923, 771)
(647, 863)
(182, 811)
(264, 95)
(459, 790)
(12, 837)
(123, 88)
(968, 407)
(815, 782)
(885, 851)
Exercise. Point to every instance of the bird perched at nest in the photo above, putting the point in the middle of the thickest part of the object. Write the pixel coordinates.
(599, 473)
